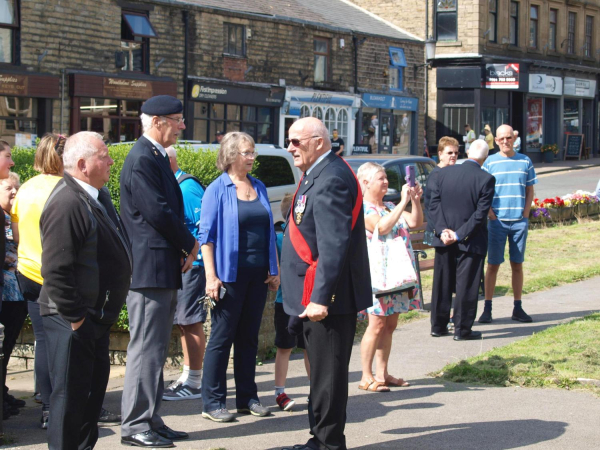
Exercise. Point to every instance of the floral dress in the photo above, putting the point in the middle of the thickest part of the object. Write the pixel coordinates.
(11, 292)
(394, 303)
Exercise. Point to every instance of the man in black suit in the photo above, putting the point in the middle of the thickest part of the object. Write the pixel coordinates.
(162, 248)
(330, 282)
(461, 197)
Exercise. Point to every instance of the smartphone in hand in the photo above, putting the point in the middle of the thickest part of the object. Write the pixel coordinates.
(410, 175)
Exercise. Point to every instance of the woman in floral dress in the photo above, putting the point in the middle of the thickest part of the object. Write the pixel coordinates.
(395, 221)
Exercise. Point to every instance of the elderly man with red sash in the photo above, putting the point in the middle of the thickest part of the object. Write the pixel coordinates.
(325, 274)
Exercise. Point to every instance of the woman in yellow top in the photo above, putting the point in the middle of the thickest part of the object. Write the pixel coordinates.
(26, 211)
(489, 137)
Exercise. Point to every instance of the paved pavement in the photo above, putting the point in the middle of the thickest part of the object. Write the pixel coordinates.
(427, 415)
(562, 166)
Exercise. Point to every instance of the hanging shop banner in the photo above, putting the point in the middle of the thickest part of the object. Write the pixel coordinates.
(578, 87)
(540, 83)
(390, 102)
(502, 76)
(534, 123)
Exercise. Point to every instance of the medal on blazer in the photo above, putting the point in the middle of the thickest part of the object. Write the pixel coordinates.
(299, 209)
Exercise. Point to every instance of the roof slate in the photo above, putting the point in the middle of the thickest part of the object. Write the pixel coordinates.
(331, 13)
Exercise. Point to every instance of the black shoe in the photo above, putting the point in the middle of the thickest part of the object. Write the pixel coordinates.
(44, 419)
(521, 316)
(469, 337)
(5, 414)
(256, 409)
(15, 402)
(173, 435)
(148, 438)
(108, 418)
(12, 410)
(440, 333)
(486, 316)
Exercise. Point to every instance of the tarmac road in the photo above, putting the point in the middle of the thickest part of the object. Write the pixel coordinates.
(561, 183)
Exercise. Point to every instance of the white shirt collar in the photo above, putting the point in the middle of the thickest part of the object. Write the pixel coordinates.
(161, 149)
(91, 190)
(321, 158)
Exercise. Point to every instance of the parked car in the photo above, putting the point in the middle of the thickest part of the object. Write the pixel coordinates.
(395, 170)
(275, 169)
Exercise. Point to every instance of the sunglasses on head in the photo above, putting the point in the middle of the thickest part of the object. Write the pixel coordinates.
(296, 142)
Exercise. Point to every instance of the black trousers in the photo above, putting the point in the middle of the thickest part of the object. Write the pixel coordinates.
(79, 369)
(329, 346)
(453, 267)
(12, 316)
(235, 320)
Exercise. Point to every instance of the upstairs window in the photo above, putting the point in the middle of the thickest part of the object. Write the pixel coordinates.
(552, 31)
(493, 21)
(9, 25)
(396, 69)
(533, 27)
(321, 50)
(514, 23)
(136, 31)
(589, 32)
(446, 20)
(235, 39)
(571, 33)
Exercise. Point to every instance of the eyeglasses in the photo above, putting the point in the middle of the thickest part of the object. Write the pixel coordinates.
(179, 120)
(249, 155)
(296, 142)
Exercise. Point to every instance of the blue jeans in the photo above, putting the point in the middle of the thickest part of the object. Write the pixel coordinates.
(499, 231)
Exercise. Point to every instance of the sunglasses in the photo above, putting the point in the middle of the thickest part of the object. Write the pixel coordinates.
(296, 142)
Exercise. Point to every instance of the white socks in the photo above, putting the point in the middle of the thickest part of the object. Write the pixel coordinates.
(184, 375)
(194, 379)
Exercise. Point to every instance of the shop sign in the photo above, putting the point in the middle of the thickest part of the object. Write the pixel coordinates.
(125, 88)
(540, 83)
(328, 99)
(534, 123)
(579, 87)
(13, 84)
(390, 102)
(361, 149)
(502, 76)
(237, 94)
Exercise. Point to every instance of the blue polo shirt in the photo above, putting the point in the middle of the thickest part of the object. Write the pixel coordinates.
(513, 175)
(192, 204)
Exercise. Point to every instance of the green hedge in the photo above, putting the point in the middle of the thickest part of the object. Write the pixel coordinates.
(200, 163)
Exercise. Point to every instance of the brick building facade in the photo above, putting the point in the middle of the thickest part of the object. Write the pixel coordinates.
(554, 43)
(235, 66)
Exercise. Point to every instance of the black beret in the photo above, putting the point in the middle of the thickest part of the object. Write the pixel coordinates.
(162, 105)
(220, 133)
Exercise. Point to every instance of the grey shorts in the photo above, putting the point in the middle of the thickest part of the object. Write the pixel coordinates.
(189, 309)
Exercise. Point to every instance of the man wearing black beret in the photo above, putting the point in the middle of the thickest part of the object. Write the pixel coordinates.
(162, 248)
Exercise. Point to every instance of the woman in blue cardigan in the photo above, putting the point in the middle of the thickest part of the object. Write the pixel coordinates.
(237, 240)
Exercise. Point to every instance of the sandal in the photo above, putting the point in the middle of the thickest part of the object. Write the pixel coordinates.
(396, 382)
(373, 386)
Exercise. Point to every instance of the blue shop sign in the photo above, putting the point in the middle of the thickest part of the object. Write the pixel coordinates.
(390, 102)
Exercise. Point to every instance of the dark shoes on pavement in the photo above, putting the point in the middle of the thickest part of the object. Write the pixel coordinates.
(108, 418)
(177, 391)
(440, 333)
(468, 337)
(170, 434)
(148, 438)
(486, 317)
(256, 409)
(218, 415)
(520, 315)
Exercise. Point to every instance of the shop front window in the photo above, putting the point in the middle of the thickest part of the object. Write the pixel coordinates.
(116, 120)
(369, 128)
(209, 118)
(535, 130)
(304, 111)
(571, 116)
(494, 117)
(18, 119)
(402, 132)
(330, 120)
(455, 119)
(317, 112)
(9, 24)
(342, 124)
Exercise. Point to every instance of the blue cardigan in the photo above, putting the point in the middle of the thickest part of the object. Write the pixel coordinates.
(219, 225)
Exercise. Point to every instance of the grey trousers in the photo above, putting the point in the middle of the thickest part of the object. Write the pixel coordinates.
(150, 323)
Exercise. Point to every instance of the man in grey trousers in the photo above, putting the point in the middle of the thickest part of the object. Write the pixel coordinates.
(162, 248)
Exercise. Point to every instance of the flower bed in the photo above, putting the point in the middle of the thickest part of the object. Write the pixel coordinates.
(565, 208)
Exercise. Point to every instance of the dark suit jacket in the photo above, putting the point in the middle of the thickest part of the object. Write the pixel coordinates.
(461, 197)
(343, 267)
(427, 198)
(152, 212)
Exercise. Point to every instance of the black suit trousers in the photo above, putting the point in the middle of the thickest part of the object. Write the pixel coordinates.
(79, 370)
(463, 270)
(329, 346)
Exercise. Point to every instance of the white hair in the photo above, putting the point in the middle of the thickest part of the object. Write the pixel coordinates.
(79, 146)
(147, 121)
(368, 170)
(478, 150)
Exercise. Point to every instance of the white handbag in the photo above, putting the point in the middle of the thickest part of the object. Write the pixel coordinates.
(391, 265)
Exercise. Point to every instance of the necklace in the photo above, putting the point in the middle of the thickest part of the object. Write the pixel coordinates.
(248, 192)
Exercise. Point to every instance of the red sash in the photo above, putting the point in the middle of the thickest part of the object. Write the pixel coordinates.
(302, 248)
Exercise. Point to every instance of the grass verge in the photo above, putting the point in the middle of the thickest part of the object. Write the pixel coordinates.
(558, 357)
(555, 256)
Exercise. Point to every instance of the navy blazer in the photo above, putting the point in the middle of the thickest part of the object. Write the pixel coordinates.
(342, 280)
(461, 197)
(152, 213)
